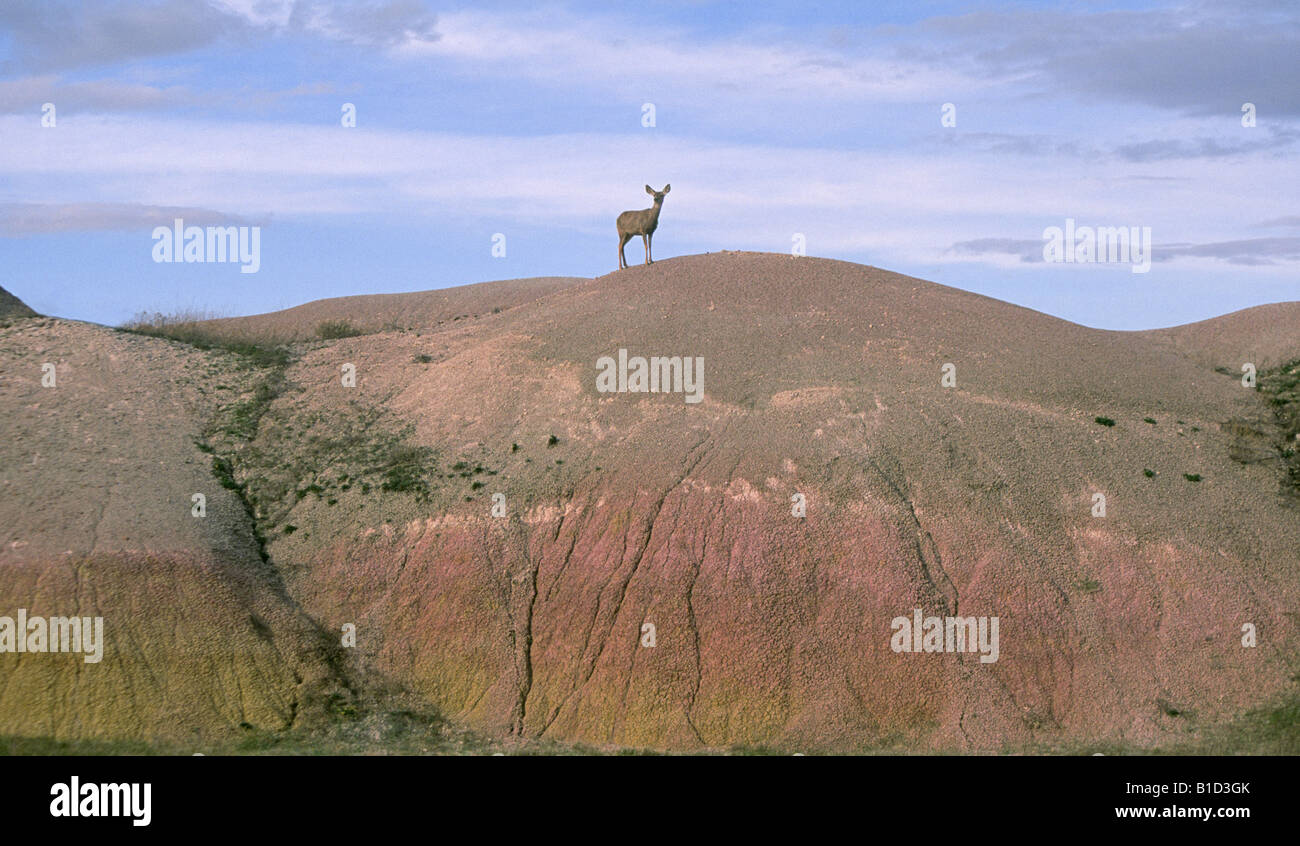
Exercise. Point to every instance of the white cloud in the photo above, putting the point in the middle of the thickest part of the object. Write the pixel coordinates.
(616, 55)
(18, 219)
(898, 205)
(384, 23)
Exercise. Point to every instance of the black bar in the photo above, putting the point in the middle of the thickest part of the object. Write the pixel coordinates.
(334, 796)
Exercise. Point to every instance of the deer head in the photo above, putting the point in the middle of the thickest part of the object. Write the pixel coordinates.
(658, 195)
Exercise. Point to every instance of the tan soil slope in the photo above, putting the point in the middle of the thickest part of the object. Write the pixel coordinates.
(1264, 336)
(822, 378)
(375, 312)
(96, 478)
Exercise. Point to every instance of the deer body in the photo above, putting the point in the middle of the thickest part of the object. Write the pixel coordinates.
(643, 222)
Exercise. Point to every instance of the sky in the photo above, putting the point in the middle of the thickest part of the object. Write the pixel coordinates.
(939, 140)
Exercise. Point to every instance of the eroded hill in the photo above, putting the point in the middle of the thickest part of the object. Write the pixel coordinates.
(374, 505)
(100, 469)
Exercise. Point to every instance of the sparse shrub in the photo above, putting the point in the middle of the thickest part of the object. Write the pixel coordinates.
(423, 358)
(1150, 420)
(404, 470)
(330, 330)
(224, 474)
(552, 441)
(1150, 474)
(1037, 720)
(245, 416)
(1168, 708)
(341, 707)
(1104, 421)
(1192, 477)
(1088, 586)
(196, 329)
(145, 321)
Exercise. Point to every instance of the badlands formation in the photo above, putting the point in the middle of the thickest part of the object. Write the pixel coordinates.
(450, 509)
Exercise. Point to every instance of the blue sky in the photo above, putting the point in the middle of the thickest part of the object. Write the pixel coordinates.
(473, 119)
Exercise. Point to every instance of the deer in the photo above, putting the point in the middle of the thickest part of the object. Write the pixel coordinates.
(641, 222)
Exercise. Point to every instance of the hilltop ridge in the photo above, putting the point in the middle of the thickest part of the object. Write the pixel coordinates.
(11, 307)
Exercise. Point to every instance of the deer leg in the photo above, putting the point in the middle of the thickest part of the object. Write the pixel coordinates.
(645, 242)
(623, 238)
(649, 242)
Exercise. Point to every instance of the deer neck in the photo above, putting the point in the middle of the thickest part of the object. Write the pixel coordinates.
(654, 211)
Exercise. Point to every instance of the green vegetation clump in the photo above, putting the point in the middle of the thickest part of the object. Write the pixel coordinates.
(1105, 421)
(330, 330)
(354, 448)
(224, 475)
(1150, 420)
(243, 418)
(1192, 477)
(1088, 586)
(404, 468)
(1169, 710)
(1148, 472)
(1282, 384)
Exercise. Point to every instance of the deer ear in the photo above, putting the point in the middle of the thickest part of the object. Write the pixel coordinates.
(649, 190)
(667, 188)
